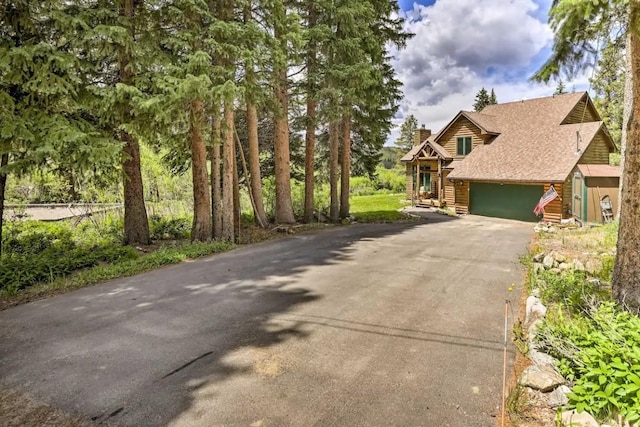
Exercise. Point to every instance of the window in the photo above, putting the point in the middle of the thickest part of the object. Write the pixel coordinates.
(464, 145)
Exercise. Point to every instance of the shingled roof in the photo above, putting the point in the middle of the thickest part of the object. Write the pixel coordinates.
(532, 144)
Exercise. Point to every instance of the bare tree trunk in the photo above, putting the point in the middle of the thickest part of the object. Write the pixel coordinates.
(136, 223)
(284, 204)
(254, 166)
(310, 134)
(627, 107)
(346, 165)
(626, 272)
(201, 230)
(4, 161)
(236, 194)
(334, 147)
(216, 196)
(227, 174)
(255, 185)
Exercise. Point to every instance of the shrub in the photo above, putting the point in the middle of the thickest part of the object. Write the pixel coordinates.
(570, 288)
(31, 237)
(599, 352)
(163, 228)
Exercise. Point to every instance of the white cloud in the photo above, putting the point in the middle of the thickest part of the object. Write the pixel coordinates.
(463, 45)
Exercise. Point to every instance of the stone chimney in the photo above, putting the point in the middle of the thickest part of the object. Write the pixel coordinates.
(420, 135)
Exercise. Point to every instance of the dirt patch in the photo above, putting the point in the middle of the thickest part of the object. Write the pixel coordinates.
(20, 409)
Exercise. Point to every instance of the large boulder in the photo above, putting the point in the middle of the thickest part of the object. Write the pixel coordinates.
(574, 419)
(543, 378)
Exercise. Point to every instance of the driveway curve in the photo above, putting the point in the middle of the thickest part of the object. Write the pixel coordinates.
(381, 324)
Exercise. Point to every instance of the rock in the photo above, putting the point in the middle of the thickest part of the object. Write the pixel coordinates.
(548, 262)
(554, 270)
(545, 228)
(543, 378)
(578, 265)
(593, 266)
(558, 397)
(533, 330)
(537, 229)
(552, 230)
(539, 358)
(345, 221)
(535, 292)
(534, 309)
(559, 257)
(538, 267)
(320, 216)
(595, 282)
(574, 419)
(564, 266)
(538, 257)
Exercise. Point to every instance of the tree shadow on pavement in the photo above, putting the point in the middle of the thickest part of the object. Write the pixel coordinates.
(134, 351)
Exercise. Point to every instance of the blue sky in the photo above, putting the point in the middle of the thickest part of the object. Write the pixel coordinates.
(461, 46)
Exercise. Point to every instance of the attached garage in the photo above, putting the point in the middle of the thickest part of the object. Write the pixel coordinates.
(512, 201)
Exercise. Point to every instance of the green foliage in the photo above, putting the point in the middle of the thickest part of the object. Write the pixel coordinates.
(608, 84)
(407, 131)
(377, 208)
(600, 353)
(570, 288)
(164, 228)
(483, 99)
(35, 252)
(560, 88)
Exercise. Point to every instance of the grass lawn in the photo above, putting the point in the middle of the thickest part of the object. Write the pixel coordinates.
(378, 207)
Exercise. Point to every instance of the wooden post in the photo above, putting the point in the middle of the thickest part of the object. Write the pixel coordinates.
(440, 183)
(419, 182)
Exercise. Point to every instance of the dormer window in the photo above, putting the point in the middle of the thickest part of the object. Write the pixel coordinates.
(464, 145)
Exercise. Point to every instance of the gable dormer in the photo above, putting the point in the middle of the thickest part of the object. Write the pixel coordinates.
(465, 132)
(583, 112)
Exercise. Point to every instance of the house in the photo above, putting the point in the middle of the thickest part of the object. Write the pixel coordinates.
(499, 162)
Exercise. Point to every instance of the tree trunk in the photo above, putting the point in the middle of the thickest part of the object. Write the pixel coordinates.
(216, 196)
(136, 223)
(626, 272)
(201, 230)
(310, 134)
(4, 161)
(254, 165)
(236, 194)
(334, 147)
(627, 106)
(255, 185)
(284, 205)
(227, 174)
(346, 165)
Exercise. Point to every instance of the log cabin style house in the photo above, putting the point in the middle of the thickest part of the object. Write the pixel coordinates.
(499, 162)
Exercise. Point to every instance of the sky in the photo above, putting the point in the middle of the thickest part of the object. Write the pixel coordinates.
(461, 46)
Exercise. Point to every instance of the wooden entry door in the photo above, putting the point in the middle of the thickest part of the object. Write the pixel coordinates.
(578, 192)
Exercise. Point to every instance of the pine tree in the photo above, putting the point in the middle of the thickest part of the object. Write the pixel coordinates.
(46, 106)
(577, 25)
(482, 100)
(282, 25)
(407, 131)
(608, 84)
(560, 88)
(492, 98)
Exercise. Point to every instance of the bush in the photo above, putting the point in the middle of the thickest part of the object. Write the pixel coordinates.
(162, 228)
(599, 352)
(31, 237)
(570, 288)
(18, 271)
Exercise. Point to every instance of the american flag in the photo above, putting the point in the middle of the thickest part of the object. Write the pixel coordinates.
(546, 198)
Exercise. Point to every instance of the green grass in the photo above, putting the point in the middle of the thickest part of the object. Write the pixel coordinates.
(127, 267)
(378, 207)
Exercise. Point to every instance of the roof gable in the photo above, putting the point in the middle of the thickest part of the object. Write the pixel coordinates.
(485, 123)
(532, 145)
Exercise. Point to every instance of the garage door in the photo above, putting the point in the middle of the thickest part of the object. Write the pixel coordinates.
(505, 201)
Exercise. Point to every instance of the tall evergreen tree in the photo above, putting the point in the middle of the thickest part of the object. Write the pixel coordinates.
(407, 131)
(482, 100)
(608, 85)
(560, 88)
(578, 26)
(46, 105)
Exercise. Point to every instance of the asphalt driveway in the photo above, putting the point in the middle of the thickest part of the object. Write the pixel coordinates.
(387, 324)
